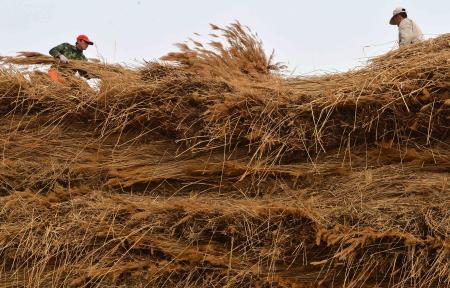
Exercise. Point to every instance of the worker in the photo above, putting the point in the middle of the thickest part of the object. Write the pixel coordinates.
(65, 52)
(408, 31)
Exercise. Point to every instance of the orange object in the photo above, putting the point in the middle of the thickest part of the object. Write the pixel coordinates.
(53, 73)
(85, 39)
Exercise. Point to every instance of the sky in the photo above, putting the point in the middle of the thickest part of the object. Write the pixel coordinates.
(311, 37)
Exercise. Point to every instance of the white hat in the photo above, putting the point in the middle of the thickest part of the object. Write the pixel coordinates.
(396, 11)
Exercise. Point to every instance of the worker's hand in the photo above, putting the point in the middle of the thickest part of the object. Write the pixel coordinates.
(63, 59)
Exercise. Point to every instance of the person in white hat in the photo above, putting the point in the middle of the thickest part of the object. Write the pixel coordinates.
(408, 31)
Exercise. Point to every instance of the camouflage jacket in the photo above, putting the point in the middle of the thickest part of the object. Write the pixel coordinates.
(72, 53)
(68, 50)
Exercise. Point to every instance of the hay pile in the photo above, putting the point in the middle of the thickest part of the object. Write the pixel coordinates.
(214, 170)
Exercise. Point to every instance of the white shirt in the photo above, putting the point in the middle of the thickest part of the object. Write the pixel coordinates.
(409, 32)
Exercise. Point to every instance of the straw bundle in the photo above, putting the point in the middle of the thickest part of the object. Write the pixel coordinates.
(214, 170)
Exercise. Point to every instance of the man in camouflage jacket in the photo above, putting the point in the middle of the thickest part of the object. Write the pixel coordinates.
(65, 52)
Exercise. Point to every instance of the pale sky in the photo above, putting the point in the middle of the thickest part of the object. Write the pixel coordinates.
(309, 36)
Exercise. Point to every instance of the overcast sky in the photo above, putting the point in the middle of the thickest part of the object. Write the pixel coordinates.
(310, 36)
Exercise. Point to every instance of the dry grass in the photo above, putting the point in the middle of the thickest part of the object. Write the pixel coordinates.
(216, 171)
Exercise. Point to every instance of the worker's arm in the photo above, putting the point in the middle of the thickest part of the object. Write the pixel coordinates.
(57, 50)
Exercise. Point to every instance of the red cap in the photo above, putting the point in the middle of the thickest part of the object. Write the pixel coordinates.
(85, 39)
